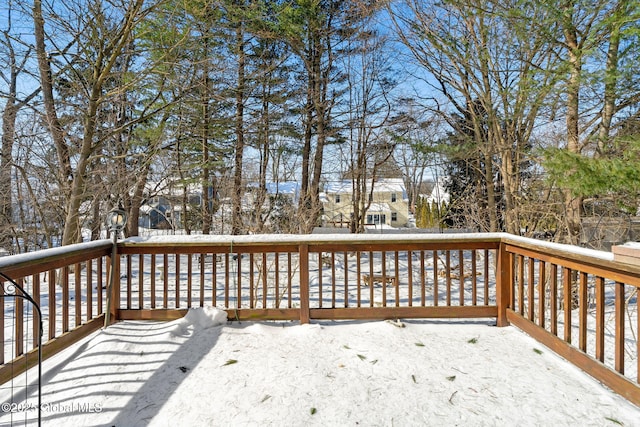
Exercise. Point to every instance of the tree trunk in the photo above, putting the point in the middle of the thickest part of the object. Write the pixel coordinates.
(55, 128)
(133, 221)
(6, 160)
(237, 222)
(610, 83)
(573, 204)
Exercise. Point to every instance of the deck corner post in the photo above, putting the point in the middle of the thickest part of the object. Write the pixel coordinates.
(504, 276)
(303, 253)
(113, 286)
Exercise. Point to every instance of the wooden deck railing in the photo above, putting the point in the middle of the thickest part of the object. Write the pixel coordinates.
(303, 278)
(579, 303)
(69, 284)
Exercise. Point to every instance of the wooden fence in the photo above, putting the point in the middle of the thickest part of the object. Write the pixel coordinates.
(579, 303)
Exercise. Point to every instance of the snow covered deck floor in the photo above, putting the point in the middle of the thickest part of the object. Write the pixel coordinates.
(195, 372)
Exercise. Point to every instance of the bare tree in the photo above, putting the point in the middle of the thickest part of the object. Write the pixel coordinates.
(368, 113)
(486, 65)
(15, 54)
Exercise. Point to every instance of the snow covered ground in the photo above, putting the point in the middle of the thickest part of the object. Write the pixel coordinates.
(201, 370)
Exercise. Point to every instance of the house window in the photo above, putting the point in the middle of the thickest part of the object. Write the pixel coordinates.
(394, 216)
(337, 198)
(393, 197)
(376, 219)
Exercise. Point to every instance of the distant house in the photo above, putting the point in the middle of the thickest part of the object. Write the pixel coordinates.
(276, 209)
(389, 203)
(439, 194)
(159, 213)
(288, 190)
(163, 206)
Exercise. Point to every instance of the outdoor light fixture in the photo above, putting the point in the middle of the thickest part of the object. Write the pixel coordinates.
(115, 221)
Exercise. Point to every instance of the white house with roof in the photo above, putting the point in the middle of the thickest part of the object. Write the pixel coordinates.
(439, 194)
(389, 203)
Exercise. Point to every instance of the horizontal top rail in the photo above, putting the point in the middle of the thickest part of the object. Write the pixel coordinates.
(583, 259)
(36, 262)
(343, 241)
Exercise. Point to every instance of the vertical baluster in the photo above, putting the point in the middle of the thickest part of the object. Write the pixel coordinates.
(520, 262)
(289, 281)
(252, 281)
(303, 253)
(276, 265)
(203, 259)
(582, 341)
(396, 277)
(239, 281)
(129, 282)
(153, 280)
(65, 299)
(553, 299)
(52, 302)
(435, 279)
(541, 293)
(226, 280)
(264, 280)
(423, 284)
(448, 276)
(461, 275)
(214, 279)
(89, 288)
(99, 285)
(346, 279)
(140, 281)
(177, 281)
(320, 268)
(383, 255)
(600, 300)
(36, 297)
(165, 281)
(189, 279)
(474, 281)
(619, 327)
(19, 320)
(333, 280)
(410, 274)
(486, 278)
(358, 279)
(370, 279)
(531, 270)
(77, 282)
(567, 303)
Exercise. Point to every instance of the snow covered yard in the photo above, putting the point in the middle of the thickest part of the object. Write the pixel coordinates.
(201, 370)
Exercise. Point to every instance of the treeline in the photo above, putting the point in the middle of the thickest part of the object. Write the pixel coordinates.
(529, 108)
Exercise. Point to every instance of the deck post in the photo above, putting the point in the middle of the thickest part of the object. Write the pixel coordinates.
(113, 286)
(303, 254)
(504, 283)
